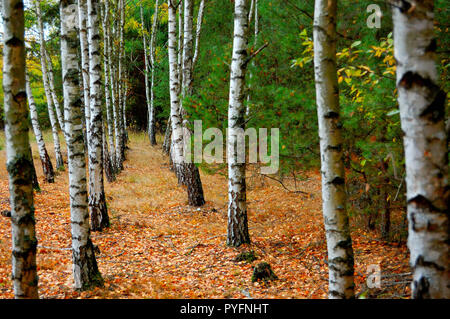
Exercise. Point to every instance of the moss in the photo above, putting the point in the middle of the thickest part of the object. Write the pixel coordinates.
(264, 272)
(247, 256)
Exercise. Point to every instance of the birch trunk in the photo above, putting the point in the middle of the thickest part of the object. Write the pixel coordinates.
(175, 115)
(180, 43)
(198, 32)
(51, 80)
(152, 118)
(97, 201)
(188, 172)
(109, 170)
(124, 114)
(339, 243)
(422, 113)
(84, 48)
(47, 166)
(147, 68)
(85, 270)
(19, 160)
(51, 111)
(120, 78)
(237, 231)
(255, 43)
(116, 113)
(167, 138)
(108, 106)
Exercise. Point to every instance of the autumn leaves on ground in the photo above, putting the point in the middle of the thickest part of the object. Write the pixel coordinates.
(159, 247)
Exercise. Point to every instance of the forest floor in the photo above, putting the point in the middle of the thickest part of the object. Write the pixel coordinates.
(159, 247)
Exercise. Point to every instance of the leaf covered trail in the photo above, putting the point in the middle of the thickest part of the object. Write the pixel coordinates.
(159, 247)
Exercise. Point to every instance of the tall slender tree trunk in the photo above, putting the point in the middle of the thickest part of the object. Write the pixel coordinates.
(339, 243)
(167, 138)
(51, 111)
(198, 32)
(189, 174)
(34, 177)
(255, 43)
(152, 118)
(97, 201)
(51, 80)
(422, 114)
(19, 159)
(146, 70)
(108, 106)
(47, 166)
(85, 269)
(84, 48)
(175, 115)
(120, 77)
(115, 65)
(109, 170)
(237, 232)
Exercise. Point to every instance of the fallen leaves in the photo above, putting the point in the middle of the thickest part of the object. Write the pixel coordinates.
(158, 247)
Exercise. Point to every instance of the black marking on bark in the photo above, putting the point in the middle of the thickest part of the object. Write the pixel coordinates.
(432, 46)
(421, 289)
(423, 203)
(404, 6)
(331, 115)
(436, 110)
(338, 181)
(14, 42)
(421, 262)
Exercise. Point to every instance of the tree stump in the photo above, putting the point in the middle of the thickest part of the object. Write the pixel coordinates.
(263, 271)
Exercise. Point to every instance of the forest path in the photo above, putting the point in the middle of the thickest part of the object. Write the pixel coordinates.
(159, 247)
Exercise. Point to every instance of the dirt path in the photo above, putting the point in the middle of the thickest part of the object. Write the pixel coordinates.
(158, 247)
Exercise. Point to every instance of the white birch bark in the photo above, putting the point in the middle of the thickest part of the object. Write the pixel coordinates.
(97, 201)
(422, 113)
(198, 32)
(106, 70)
(84, 48)
(47, 166)
(255, 43)
(339, 243)
(188, 172)
(180, 42)
(152, 118)
(114, 100)
(237, 230)
(175, 116)
(85, 270)
(51, 111)
(120, 77)
(19, 159)
(51, 81)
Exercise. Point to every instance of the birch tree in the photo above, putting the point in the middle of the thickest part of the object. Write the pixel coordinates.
(188, 172)
(146, 70)
(84, 48)
(51, 82)
(198, 31)
(237, 231)
(422, 114)
(97, 201)
(175, 115)
(253, 9)
(51, 111)
(85, 270)
(339, 243)
(152, 118)
(47, 166)
(19, 159)
(106, 70)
